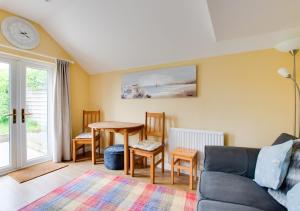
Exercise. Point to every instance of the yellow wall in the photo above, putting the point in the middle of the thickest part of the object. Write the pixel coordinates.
(79, 77)
(240, 94)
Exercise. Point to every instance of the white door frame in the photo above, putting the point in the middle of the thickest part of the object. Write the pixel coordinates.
(18, 155)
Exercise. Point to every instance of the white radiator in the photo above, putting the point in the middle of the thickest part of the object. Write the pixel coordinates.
(194, 139)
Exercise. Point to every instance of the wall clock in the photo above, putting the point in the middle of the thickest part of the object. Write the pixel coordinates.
(20, 33)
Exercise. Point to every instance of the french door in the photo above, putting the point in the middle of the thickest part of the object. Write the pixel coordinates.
(25, 105)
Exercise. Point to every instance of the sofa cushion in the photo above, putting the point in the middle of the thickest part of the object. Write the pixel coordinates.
(208, 205)
(230, 188)
(284, 137)
(293, 199)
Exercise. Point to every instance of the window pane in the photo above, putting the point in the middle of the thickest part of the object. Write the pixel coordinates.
(36, 112)
(4, 111)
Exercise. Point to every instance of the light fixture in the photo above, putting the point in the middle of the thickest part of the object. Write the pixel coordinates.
(284, 72)
(292, 46)
(289, 45)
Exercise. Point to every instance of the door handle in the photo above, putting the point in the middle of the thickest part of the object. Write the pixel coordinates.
(24, 114)
(14, 115)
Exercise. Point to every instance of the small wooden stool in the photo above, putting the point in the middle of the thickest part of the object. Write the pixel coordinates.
(184, 155)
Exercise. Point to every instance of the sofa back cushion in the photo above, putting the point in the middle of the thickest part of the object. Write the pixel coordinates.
(284, 137)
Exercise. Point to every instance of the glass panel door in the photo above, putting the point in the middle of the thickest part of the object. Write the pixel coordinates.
(8, 115)
(4, 118)
(34, 113)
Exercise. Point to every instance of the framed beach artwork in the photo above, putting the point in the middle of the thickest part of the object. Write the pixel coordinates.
(162, 83)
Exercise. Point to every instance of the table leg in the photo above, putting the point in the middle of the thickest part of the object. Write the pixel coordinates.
(111, 138)
(126, 154)
(178, 169)
(93, 146)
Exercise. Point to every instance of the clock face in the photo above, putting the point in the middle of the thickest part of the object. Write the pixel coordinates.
(20, 33)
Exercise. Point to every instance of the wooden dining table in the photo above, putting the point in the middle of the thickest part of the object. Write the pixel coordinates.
(124, 128)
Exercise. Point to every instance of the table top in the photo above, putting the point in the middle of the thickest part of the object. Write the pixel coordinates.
(115, 125)
(185, 152)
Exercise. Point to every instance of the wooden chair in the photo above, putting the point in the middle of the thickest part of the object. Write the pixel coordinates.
(85, 137)
(154, 127)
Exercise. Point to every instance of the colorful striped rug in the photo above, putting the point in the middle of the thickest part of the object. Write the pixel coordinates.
(98, 191)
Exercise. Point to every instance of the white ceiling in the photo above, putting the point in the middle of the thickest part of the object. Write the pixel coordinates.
(242, 18)
(107, 35)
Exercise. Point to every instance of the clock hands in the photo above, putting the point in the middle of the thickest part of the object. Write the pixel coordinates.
(25, 34)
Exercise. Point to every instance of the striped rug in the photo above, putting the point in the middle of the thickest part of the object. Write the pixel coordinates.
(98, 191)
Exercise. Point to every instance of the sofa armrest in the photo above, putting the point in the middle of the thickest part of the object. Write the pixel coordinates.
(235, 160)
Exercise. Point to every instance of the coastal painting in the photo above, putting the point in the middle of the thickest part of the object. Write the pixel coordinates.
(163, 83)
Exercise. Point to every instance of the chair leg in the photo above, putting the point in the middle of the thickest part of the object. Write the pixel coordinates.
(152, 169)
(83, 149)
(178, 169)
(74, 151)
(145, 162)
(195, 169)
(93, 152)
(99, 148)
(163, 162)
(132, 162)
(172, 169)
(191, 174)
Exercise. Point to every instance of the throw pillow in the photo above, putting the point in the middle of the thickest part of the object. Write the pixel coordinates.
(292, 177)
(272, 165)
(293, 198)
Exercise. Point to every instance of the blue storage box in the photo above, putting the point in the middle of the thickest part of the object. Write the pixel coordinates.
(114, 157)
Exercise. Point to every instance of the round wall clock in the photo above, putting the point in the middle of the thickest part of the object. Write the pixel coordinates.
(20, 33)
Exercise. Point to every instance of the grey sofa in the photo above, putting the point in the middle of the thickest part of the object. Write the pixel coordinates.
(226, 183)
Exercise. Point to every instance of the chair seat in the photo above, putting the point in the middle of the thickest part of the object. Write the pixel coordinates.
(147, 145)
(84, 136)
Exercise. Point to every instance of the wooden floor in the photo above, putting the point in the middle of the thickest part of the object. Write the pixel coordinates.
(14, 195)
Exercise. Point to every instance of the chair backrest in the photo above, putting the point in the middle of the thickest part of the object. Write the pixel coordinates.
(155, 125)
(88, 118)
